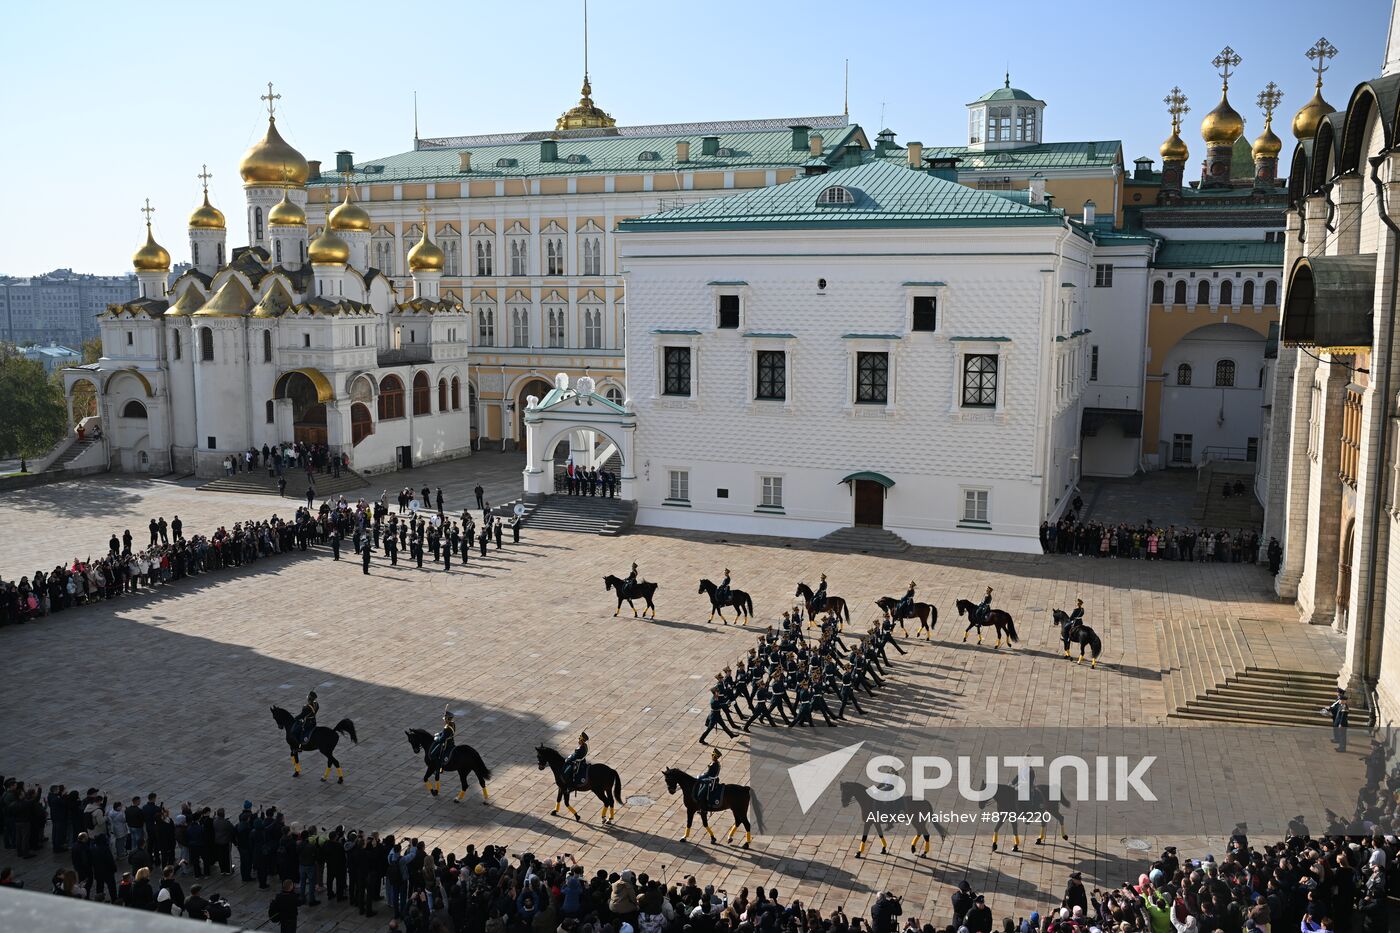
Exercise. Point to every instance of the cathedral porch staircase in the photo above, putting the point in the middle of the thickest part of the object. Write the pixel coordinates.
(863, 541)
(592, 515)
(259, 483)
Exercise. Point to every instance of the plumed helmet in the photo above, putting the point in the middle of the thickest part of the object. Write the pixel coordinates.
(823, 576)
(715, 755)
(989, 591)
(583, 736)
(311, 695)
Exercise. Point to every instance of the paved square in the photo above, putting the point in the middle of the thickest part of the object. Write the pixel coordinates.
(169, 691)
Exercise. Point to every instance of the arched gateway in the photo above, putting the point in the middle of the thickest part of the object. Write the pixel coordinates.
(574, 412)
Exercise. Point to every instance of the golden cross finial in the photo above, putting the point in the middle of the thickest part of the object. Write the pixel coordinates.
(148, 211)
(204, 177)
(1320, 52)
(1176, 106)
(1224, 62)
(1269, 99)
(271, 99)
(425, 210)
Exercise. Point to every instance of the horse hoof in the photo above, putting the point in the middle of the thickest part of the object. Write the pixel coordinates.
(296, 774)
(1040, 842)
(858, 855)
(1015, 848)
(577, 818)
(994, 847)
(923, 855)
(323, 780)
(1064, 836)
(746, 845)
(340, 780)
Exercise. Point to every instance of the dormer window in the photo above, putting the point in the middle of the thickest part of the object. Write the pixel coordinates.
(724, 152)
(577, 159)
(505, 163)
(648, 156)
(836, 195)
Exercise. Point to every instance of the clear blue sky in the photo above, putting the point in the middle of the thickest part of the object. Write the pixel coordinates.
(106, 104)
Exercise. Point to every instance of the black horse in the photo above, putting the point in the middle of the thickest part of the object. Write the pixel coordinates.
(464, 760)
(732, 797)
(1086, 637)
(642, 589)
(604, 782)
(874, 816)
(926, 613)
(738, 600)
(321, 740)
(998, 618)
(1005, 804)
(834, 605)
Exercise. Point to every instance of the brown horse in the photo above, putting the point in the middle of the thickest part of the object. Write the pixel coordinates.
(732, 797)
(926, 613)
(834, 605)
(995, 617)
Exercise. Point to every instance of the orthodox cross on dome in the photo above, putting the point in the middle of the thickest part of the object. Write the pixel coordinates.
(1176, 106)
(1268, 100)
(204, 176)
(1321, 51)
(425, 210)
(1227, 60)
(271, 99)
(148, 211)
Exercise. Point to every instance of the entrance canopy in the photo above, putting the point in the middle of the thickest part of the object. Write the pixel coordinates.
(1330, 302)
(572, 409)
(871, 476)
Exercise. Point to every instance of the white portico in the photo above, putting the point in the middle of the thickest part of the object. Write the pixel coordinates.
(581, 415)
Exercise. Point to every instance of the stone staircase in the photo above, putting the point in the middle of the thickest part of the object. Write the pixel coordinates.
(259, 483)
(581, 514)
(1212, 509)
(74, 451)
(863, 541)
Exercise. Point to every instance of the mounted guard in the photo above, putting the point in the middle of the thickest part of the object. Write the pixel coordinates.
(576, 765)
(305, 721)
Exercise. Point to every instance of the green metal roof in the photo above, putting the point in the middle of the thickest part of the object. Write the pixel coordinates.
(679, 333)
(870, 475)
(761, 335)
(745, 145)
(885, 195)
(1006, 92)
(1102, 153)
(1196, 254)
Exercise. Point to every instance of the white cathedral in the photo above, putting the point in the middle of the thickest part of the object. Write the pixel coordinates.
(291, 338)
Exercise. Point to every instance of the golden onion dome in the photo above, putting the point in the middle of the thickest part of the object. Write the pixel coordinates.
(1223, 125)
(271, 161)
(207, 216)
(152, 257)
(1174, 149)
(286, 213)
(1268, 145)
(1309, 118)
(426, 256)
(349, 217)
(328, 249)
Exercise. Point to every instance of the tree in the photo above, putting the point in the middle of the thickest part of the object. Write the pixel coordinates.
(84, 399)
(32, 415)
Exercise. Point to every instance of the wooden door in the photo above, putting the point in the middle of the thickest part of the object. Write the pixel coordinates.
(870, 504)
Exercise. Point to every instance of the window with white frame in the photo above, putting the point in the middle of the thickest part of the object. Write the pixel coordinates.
(728, 312)
(679, 490)
(1103, 275)
(1094, 364)
(998, 124)
(771, 375)
(676, 371)
(974, 126)
(771, 492)
(925, 314)
(519, 256)
(556, 327)
(452, 251)
(1025, 124)
(592, 256)
(872, 378)
(554, 256)
(592, 328)
(486, 327)
(485, 258)
(976, 505)
(979, 386)
(519, 327)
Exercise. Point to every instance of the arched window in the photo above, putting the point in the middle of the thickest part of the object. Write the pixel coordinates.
(442, 395)
(267, 346)
(361, 425)
(836, 195)
(271, 412)
(1227, 292)
(422, 395)
(276, 250)
(1159, 292)
(1225, 373)
(257, 223)
(456, 394)
(1179, 294)
(592, 329)
(520, 327)
(133, 409)
(614, 395)
(1183, 374)
(471, 404)
(556, 327)
(1247, 293)
(1271, 292)
(194, 253)
(390, 398)
(485, 327)
(206, 344)
(177, 344)
(1203, 293)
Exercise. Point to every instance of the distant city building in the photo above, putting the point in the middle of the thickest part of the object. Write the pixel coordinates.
(52, 356)
(59, 306)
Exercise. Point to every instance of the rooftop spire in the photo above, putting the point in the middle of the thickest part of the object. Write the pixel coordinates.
(586, 115)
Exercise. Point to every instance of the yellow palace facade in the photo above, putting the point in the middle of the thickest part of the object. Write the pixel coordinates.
(526, 222)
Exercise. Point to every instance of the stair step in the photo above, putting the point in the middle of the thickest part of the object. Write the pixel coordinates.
(1262, 719)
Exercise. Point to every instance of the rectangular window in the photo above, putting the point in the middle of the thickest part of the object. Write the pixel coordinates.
(680, 486)
(1251, 451)
(772, 497)
(979, 381)
(925, 313)
(130, 338)
(728, 312)
(677, 375)
(1094, 364)
(872, 378)
(213, 442)
(1181, 448)
(1103, 276)
(772, 375)
(975, 503)
(306, 340)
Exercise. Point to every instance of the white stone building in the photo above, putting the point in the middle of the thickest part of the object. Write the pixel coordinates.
(293, 337)
(875, 346)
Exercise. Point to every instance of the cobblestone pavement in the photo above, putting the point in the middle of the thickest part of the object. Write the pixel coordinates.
(169, 691)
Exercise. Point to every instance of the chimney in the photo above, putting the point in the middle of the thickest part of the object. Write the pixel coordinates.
(465, 161)
(313, 167)
(884, 141)
(709, 145)
(850, 155)
(916, 155)
(799, 137)
(814, 145)
(1037, 192)
(344, 162)
(682, 150)
(549, 150)
(1142, 168)
(1093, 151)
(944, 167)
(1049, 202)
(1089, 208)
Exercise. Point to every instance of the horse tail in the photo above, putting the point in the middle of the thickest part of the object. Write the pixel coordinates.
(1095, 644)
(846, 610)
(617, 787)
(757, 811)
(346, 727)
(1010, 628)
(748, 605)
(483, 773)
